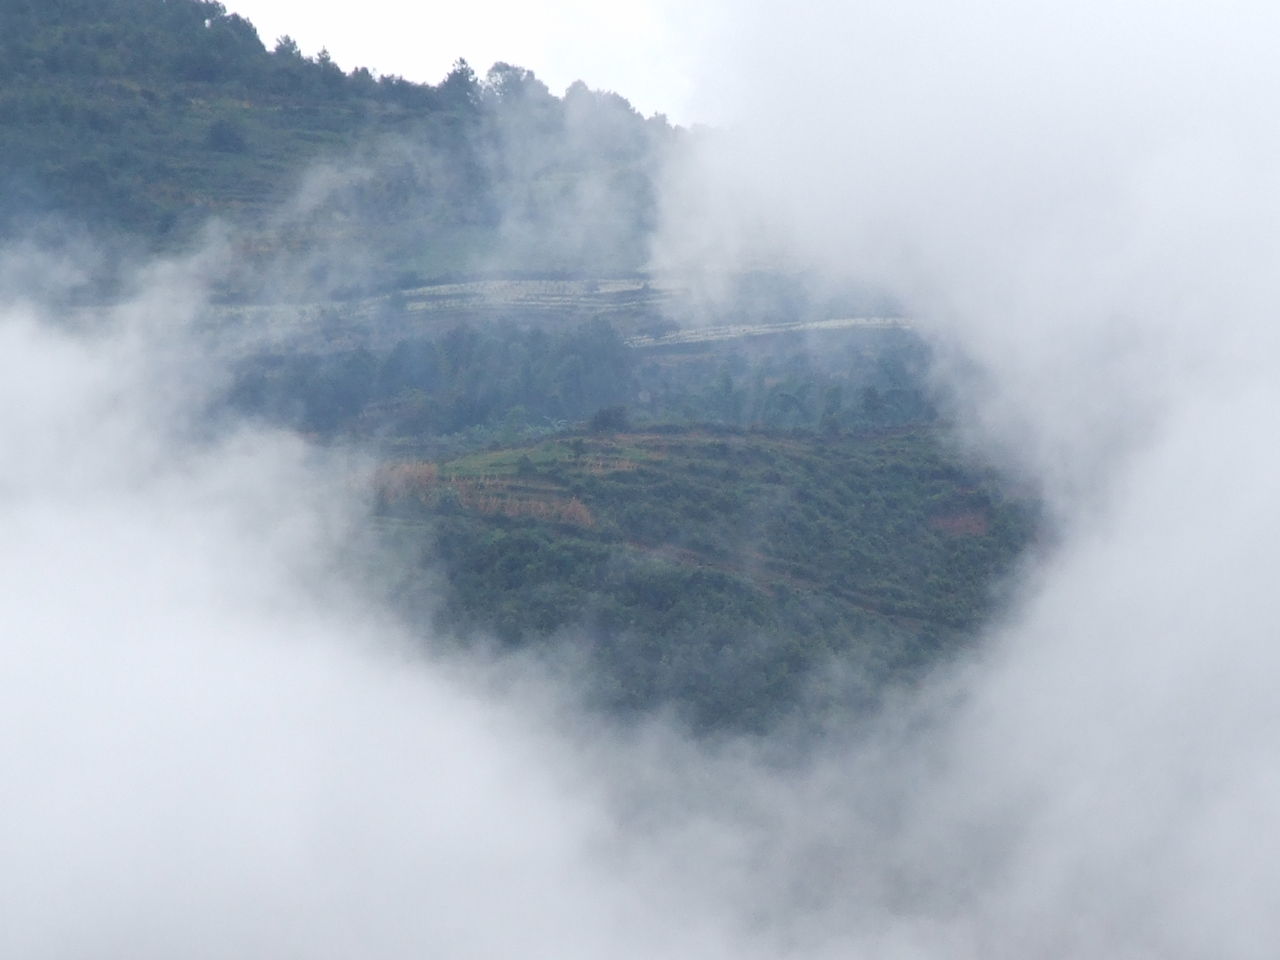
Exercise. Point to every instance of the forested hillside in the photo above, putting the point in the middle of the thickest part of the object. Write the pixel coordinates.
(726, 574)
(140, 119)
(451, 278)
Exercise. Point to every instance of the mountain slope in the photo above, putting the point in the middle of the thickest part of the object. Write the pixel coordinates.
(718, 570)
(143, 118)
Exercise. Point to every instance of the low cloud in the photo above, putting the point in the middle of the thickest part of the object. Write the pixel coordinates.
(1077, 207)
(214, 744)
(217, 742)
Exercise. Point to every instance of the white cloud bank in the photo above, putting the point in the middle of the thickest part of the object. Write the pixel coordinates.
(211, 745)
(1081, 203)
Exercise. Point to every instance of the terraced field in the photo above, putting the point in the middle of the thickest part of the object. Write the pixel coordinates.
(762, 555)
(633, 305)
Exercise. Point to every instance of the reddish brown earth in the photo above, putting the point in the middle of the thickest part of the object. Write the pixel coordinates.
(962, 523)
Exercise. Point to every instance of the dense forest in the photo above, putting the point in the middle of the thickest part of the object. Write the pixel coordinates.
(717, 525)
(733, 529)
(139, 120)
(729, 574)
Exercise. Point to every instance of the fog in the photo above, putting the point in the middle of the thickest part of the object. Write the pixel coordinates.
(217, 742)
(1077, 203)
(1078, 193)
(214, 743)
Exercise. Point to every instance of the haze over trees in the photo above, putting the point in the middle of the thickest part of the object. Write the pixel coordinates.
(395, 566)
(711, 526)
(141, 119)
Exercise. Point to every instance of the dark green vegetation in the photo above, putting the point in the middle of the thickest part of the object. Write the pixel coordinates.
(712, 526)
(716, 526)
(720, 527)
(139, 119)
(438, 388)
(451, 277)
(717, 570)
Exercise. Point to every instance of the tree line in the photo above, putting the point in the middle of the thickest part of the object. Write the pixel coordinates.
(141, 119)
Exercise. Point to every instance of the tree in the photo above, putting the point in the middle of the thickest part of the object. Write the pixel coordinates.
(287, 48)
(610, 420)
(226, 136)
(460, 90)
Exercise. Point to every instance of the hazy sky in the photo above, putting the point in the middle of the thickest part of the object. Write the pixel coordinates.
(634, 49)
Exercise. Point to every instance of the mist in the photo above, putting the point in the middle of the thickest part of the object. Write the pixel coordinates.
(218, 739)
(1078, 206)
(216, 742)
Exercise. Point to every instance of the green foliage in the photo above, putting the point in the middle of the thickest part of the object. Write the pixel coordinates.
(142, 118)
(609, 420)
(469, 377)
(721, 571)
(710, 525)
(226, 135)
(503, 382)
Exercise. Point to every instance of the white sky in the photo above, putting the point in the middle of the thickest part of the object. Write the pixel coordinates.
(640, 50)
